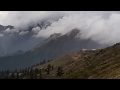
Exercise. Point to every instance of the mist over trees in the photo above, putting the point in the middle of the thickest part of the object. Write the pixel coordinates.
(26, 73)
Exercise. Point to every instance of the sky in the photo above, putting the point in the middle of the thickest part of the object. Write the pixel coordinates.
(101, 26)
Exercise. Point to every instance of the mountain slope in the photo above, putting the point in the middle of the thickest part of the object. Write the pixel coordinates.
(89, 64)
(13, 38)
(53, 47)
(15, 53)
(60, 45)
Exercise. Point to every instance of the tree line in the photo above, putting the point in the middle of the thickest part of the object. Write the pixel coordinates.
(29, 72)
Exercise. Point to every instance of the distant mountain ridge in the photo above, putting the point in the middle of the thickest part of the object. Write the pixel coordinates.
(52, 37)
(5, 27)
(53, 47)
(15, 53)
(22, 38)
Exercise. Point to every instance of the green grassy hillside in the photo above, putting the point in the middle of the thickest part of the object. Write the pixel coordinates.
(87, 64)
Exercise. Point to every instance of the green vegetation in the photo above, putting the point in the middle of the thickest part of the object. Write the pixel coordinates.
(88, 64)
(99, 64)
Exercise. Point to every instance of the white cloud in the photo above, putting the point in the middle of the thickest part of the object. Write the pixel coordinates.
(23, 19)
(3, 13)
(36, 30)
(23, 32)
(101, 26)
(11, 31)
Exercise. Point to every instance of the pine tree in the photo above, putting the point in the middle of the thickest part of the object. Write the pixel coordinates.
(48, 68)
(15, 71)
(17, 76)
(12, 76)
(31, 74)
(36, 71)
(40, 74)
(59, 71)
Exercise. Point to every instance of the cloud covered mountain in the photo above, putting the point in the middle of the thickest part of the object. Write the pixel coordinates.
(32, 27)
(51, 30)
(14, 39)
(54, 46)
